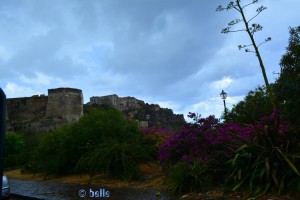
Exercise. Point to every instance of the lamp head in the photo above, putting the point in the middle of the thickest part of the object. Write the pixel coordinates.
(223, 95)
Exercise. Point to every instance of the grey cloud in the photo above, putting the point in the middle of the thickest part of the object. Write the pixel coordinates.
(167, 50)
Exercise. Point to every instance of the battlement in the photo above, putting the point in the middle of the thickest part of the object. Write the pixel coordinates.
(64, 90)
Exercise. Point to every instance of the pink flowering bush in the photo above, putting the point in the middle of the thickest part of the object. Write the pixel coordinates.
(270, 162)
(261, 155)
(205, 139)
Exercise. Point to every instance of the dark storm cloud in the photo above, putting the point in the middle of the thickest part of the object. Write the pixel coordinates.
(167, 51)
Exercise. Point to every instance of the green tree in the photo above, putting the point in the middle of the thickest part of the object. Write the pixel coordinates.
(255, 105)
(288, 83)
(13, 149)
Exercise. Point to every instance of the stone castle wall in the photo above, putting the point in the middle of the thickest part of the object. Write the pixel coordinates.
(22, 109)
(43, 113)
(121, 103)
(65, 103)
(147, 114)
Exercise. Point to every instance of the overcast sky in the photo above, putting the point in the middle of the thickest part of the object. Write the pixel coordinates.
(167, 52)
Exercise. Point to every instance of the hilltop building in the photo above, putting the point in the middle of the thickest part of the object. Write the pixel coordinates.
(42, 113)
(147, 114)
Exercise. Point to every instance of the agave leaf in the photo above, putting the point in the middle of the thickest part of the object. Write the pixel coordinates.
(253, 177)
(274, 172)
(293, 155)
(231, 175)
(281, 186)
(267, 165)
(242, 147)
(238, 185)
(262, 172)
(261, 191)
(239, 174)
(235, 157)
(288, 161)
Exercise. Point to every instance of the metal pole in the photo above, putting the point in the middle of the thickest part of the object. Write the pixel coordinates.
(224, 106)
(2, 132)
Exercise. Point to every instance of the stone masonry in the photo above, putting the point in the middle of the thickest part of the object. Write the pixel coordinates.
(41, 113)
(148, 115)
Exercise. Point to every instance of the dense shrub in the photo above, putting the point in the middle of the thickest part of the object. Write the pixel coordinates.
(102, 141)
(204, 144)
(157, 136)
(189, 177)
(262, 155)
(117, 159)
(270, 163)
(13, 149)
(20, 148)
(205, 139)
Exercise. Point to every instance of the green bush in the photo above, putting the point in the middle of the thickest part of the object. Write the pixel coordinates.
(13, 150)
(14, 143)
(117, 159)
(20, 148)
(190, 177)
(50, 156)
(102, 141)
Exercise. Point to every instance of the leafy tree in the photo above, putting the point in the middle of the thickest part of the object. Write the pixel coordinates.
(14, 143)
(13, 149)
(288, 83)
(255, 105)
(251, 29)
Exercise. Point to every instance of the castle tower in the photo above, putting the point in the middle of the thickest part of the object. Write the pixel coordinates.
(65, 103)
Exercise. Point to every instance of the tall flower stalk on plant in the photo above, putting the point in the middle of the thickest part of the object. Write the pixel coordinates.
(250, 28)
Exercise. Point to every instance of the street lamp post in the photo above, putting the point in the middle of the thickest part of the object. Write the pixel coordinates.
(148, 119)
(223, 96)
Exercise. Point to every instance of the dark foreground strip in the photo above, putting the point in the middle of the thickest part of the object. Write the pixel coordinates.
(23, 197)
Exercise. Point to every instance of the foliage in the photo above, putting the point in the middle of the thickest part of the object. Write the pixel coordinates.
(116, 159)
(157, 135)
(102, 141)
(288, 84)
(13, 148)
(203, 140)
(51, 156)
(14, 143)
(202, 144)
(249, 111)
(271, 162)
(189, 177)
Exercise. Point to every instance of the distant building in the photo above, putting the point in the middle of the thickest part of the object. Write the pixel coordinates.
(147, 114)
(43, 113)
(121, 103)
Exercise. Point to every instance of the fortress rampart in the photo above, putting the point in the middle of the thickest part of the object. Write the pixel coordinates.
(41, 113)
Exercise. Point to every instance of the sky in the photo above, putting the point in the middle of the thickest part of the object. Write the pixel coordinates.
(166, 52)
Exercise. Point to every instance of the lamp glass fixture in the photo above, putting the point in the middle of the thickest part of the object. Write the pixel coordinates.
(223, 95)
